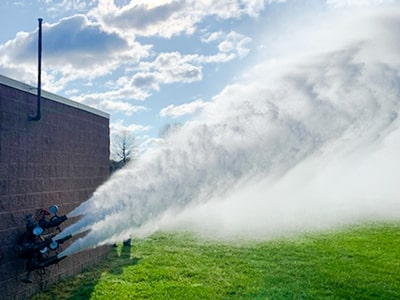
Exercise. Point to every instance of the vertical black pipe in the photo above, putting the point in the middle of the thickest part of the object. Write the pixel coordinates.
(39, 83)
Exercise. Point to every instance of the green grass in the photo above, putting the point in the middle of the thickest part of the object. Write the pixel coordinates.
(361, 262)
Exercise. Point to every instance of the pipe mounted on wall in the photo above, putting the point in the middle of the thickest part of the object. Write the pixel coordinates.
(39, 87)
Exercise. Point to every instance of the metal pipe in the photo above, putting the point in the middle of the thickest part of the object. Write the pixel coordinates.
(40, 264)
(39, 87)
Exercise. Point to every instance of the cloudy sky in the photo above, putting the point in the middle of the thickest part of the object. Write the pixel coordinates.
(150, 63)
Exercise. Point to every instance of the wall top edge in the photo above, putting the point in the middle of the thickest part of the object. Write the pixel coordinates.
(50, 96)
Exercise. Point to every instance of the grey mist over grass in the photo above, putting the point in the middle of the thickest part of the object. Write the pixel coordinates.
(306, 140)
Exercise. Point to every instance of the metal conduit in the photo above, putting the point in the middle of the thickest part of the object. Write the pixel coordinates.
(39, 83)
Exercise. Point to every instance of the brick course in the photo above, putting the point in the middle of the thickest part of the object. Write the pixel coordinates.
(60, 159)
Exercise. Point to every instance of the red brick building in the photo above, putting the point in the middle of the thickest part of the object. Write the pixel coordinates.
(59, 159)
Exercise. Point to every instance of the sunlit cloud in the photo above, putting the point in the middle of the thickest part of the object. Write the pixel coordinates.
(119, 94)
(184, 109)
(73, 48)
(173, 67)
(120, 126)
(83, 48)
(169, 18)
(120, 106)
(231, 42)
(167, 68)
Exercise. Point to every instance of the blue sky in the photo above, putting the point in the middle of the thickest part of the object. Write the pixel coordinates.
(149, 63)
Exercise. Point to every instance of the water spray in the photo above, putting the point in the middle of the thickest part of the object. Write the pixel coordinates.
(271, 154)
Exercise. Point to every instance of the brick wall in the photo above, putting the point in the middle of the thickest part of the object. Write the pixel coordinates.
(60, 159)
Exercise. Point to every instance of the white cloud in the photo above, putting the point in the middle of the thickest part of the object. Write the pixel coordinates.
(349, 3)
(73, 48)
(120, 106)
(144, 18)
(119, 126)
(59, 7)
(82, 48)
(231, 42)
(173, 67)
(146, 80)
(141, 17)
(74, 41)
(169, 18)
(184, 109)
(100, 44)
(167, 68)
(76, 49)
(118, 95)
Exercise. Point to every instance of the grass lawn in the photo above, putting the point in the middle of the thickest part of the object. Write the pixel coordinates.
(360, 262)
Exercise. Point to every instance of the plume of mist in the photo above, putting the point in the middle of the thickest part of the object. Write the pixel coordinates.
(306, 142)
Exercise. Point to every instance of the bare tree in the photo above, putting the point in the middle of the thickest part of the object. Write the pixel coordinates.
(123, 148)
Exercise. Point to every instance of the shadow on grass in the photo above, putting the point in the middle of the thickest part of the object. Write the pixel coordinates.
(82, 285)
(123, 259)
(118, 258)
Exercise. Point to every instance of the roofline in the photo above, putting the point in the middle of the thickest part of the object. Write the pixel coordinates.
(33, 90)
